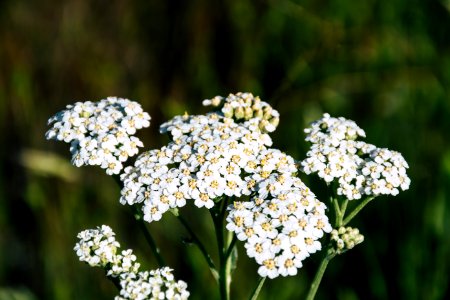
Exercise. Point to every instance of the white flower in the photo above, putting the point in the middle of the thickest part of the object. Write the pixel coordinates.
(97, 247)
(100, 133)
(281, 227)
(156, 284)
(209, 156)
(360, 169)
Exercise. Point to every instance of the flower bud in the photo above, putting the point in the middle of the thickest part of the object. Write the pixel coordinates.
(216, 101)
(239, 112)
(248, 113)
(227, 110)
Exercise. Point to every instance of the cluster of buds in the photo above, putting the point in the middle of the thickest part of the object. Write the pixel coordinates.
(345, 238)
(244, 106)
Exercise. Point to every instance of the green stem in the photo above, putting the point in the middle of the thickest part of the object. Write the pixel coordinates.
(357, 210)
(148, 237)
(337, 212)
(340, 212)
(258, 288)
(231, 246)
(343, 209)
(227, 263)
(201, 247)
(319, 274)
(223, 244)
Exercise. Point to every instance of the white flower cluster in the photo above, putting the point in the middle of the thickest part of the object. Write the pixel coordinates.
(154, 285)
(100, 133)
(98, 247)
(214, 156)
(359, 168)
(244, 106)
(281, 225)
(210, 156)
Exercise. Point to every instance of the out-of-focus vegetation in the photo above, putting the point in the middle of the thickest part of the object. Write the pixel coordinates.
(384, 64)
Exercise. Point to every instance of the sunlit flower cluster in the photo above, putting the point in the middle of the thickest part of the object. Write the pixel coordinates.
(154, 285)
(100, 133)
(210, 156)
(244, 106)
(98, 247)
(359, 168)
(224, 154)
(280, 225)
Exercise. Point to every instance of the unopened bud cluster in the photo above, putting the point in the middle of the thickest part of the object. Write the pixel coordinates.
(244, 106)
(98, 247)
(345, 238)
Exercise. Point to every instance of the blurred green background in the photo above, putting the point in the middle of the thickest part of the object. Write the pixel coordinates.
(384, 64)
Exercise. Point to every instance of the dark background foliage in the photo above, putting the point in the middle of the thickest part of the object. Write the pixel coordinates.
(384, 64)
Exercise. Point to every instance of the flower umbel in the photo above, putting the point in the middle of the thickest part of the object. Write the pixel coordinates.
(156, 284)
(281, 225)
(98, 248)
(100, 133)
(360, 169)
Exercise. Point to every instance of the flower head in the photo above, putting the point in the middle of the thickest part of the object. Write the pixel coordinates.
(281, 225)
(210, 156)
(98, 248)
(100, 133)
(157, 284)
(360, 169)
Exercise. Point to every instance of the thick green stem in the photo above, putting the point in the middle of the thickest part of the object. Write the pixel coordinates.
(343, 209)
(357, 210)
(226, 261)
(319, 274)
(201, 247)
(258, 288)
(223, 244)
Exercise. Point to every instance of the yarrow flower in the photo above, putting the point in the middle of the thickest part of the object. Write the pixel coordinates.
(281, 225)
(98, 248)
(100, 133)
(360, 169)
(210, 157)
(154, 285)
(227, 154)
